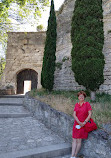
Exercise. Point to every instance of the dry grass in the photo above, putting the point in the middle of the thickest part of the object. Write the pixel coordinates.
(58, 102)
(65, 100)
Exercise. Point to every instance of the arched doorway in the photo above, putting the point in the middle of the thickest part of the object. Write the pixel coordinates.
(24, 76)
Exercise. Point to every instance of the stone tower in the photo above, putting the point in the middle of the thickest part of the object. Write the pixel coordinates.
(24, 60)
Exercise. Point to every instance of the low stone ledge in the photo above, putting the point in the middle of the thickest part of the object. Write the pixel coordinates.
(57, 121)
(98, 143)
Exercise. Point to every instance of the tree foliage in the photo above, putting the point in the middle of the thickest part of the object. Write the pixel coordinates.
(40, 27)
(2, 66)
(24, 10)
(48, 68)
(87, 38)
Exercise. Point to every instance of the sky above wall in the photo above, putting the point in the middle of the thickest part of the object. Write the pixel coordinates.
(45, 15)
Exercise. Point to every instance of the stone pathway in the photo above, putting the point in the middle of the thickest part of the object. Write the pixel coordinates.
(22, 132)
(25, 133)
(66, 156)
(13, 110)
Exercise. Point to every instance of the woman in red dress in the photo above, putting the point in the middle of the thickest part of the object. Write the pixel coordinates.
(82, 114)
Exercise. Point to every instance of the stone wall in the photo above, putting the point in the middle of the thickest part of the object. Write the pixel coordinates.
(98, 144)
(106, 87)
(64, 77)
(24, 51)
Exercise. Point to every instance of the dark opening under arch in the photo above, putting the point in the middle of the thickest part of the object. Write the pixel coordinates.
(27, 74)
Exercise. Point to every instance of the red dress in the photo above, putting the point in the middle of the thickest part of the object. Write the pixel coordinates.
(82, 114)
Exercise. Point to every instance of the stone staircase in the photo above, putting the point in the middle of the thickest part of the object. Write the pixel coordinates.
(11, 107)
(23, 136)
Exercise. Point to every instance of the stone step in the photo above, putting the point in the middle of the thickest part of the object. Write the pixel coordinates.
(68, 156)
(16, 115)
(65, 156)
(12, 96)
(10, 104)
(41, 152)
(11, 100)
(13, 111)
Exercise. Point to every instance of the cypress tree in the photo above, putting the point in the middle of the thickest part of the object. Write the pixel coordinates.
(87, 37)
(48, 68)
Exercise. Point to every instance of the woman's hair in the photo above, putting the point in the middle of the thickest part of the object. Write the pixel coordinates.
(81, 92)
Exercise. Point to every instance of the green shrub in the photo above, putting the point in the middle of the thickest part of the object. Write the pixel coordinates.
(59, 65)
(65, 58)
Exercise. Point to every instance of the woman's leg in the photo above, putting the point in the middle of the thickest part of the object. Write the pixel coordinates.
(74, 143)
(78, 146)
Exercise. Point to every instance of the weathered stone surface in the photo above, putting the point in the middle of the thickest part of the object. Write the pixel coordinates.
(25, 133)
(64, 77)
(107, 128)
(98, 143)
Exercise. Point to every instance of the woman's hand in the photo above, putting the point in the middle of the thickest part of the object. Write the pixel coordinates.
(81, 124)
(84, 123)
(75, 117)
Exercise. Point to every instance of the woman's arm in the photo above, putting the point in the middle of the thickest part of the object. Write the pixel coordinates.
(88, 118)
(76, 118)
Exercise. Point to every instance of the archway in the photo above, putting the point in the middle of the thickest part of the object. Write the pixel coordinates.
(26, 75)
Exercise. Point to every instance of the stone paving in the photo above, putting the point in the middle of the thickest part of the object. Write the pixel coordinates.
(13, 110)
(11, 100)
(25, 133)
(66, 156)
